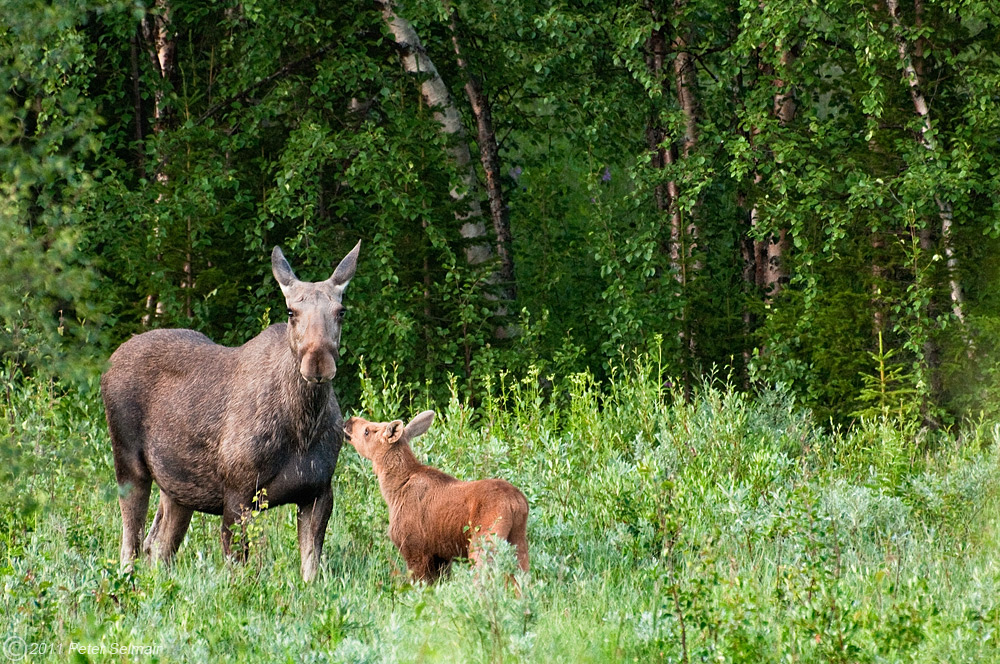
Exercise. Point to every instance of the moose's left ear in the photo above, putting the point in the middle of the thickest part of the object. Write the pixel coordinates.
(345, 271)
(394, 431)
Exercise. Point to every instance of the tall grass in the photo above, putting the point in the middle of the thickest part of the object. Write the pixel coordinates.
(727, 528)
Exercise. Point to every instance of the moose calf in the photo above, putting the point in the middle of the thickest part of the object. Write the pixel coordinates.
(433, 517)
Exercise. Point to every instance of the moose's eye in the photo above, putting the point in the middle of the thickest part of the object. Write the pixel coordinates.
(366, 431)
(340, 314)
(291, 314)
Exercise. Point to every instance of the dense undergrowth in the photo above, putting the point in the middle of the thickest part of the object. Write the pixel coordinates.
(729, 528)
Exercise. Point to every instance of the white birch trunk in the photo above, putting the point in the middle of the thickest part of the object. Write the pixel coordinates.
(769, 254)
(927, 140)
(434, 92)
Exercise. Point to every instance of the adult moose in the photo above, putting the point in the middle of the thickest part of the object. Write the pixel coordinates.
(219, 428)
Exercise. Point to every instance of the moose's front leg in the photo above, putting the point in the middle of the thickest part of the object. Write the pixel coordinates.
(235, 509)
(312, 519)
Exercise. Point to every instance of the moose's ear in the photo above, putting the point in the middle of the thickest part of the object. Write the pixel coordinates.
(419, 425)
(281, 270)
(345, 271)
(394, 431)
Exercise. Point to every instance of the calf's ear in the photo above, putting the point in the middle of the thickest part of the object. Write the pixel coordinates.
(394, 431)
(419, 425)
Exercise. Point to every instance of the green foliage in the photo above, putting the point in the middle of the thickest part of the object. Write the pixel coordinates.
(134, 197)
(673, 517)
(725, 526)
(47, 131)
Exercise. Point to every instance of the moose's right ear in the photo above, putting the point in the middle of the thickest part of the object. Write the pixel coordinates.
(394, 431)
(419, 425)
(281, 270)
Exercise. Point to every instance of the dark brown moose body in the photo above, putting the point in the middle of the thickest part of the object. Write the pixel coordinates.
(223, 430)
(433, 517)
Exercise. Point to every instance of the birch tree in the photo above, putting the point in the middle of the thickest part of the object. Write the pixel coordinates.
(161, 47)
(913, 80)
(489, 157)
(435, 93)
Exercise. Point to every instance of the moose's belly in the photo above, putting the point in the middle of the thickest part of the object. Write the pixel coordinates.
(300, 479)
(196, 493)
(188, 475)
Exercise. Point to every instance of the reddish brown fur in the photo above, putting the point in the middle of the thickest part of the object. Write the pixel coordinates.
(433, 517)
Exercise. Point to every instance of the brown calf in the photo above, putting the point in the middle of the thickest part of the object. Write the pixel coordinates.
(433, 517)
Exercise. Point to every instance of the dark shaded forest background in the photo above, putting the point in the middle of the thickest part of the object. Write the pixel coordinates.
(803, 194)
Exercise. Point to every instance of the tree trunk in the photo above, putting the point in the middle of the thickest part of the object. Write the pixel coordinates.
(911, 73)
(769, 265)
(765, 267)
(435, 94)
(878, 278)
(683, 234)
(683, 237)
(932, 355)
(489, 157)
(157, 30)
(140, 156)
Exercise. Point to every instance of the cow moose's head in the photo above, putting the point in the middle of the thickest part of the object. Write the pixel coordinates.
(315, 315)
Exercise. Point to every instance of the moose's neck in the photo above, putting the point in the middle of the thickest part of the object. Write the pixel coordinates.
(394, 468)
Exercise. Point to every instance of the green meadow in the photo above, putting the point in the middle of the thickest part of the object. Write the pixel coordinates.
(729, 528)
(568, 214)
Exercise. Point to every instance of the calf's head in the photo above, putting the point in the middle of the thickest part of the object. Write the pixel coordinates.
(315, 315)
(373, 439)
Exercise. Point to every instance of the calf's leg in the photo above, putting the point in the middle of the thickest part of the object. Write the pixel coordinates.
(519, 538)
(422, 567)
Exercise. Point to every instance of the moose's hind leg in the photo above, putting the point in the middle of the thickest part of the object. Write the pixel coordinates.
(169, 527)
(134, 484)
(133, 500)
(131, 473)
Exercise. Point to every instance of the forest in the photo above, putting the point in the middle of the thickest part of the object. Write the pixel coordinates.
(714, 282)
(789, 193)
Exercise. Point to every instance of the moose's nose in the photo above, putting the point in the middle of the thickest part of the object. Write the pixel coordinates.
(318, 366)
(319, 379)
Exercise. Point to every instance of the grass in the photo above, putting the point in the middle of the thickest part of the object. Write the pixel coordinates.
(730, 528)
